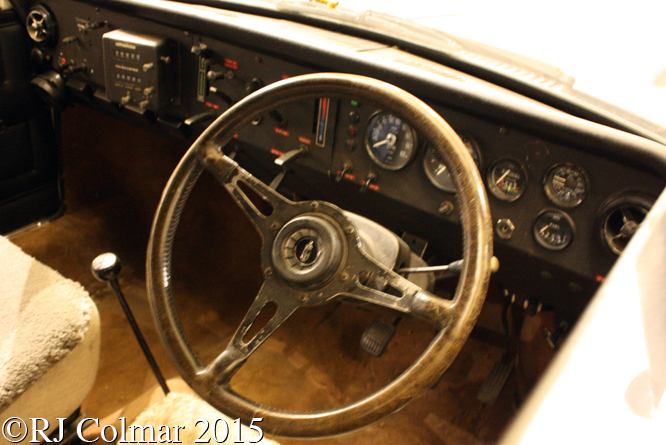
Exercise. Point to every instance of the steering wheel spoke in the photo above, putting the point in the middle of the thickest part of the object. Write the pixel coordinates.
(240, 348)
(269, 208)
(376, 285)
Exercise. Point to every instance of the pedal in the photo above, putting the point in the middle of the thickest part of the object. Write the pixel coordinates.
(377, 336)
(495, 382)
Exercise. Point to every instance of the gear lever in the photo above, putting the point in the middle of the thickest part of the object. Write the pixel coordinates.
(106, 267)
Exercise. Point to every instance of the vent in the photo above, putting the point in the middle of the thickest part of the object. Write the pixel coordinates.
(41, 25)
(621, 219)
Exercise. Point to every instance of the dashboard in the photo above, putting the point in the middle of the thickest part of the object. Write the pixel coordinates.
(565, 194)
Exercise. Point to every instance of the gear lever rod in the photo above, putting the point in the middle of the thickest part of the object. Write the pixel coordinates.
(106, 267)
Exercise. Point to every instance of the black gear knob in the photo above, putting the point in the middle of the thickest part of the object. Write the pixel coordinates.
(106, 267)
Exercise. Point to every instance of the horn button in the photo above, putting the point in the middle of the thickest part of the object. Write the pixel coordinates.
(308, 250)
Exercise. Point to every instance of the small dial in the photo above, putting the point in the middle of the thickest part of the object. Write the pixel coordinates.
(436, 170)
(390, 142)
(507, 179)
(566, 185)
(553, 229)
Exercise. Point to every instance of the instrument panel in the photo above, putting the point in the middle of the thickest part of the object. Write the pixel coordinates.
(549, 200)
(563, 206)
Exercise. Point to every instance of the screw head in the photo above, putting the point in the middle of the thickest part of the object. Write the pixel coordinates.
(445, 208)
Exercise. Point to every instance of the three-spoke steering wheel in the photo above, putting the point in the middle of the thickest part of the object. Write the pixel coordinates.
(311, 254)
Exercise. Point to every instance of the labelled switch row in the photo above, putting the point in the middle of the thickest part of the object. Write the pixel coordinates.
(128, 78)
(126, 55)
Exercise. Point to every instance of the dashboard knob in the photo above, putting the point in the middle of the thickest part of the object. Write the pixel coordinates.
(215, 75)
(253, 85)
(200, 50)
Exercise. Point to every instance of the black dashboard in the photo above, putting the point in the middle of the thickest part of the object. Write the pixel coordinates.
(565, 193)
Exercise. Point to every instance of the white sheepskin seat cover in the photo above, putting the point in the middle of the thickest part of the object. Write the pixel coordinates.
(49, 338)
(179, 408)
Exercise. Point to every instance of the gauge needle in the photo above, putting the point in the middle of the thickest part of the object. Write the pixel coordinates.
(390, 139)
(503, 176)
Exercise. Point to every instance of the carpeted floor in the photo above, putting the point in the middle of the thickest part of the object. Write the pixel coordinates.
(114, 175)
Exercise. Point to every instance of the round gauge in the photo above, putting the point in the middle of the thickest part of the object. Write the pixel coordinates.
(507, 179)
(553, 229)
(566, 185)
(390, 142)
(436, 170)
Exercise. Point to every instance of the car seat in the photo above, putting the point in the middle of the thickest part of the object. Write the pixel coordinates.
(49, 342)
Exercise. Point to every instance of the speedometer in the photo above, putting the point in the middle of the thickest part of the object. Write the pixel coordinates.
(390, 142)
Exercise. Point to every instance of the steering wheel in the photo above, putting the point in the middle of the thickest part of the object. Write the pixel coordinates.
(311, 254)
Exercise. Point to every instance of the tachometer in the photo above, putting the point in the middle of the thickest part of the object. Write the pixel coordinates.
(507, 179)
(436, 170)
(390, 142)
(566, 185)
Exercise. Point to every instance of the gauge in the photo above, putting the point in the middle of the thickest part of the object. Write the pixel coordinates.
(553, 229)
(507, 179)
(390, 142)
(436, 170)
(566, 185)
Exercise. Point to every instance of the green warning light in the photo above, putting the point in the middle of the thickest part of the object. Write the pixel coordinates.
(355, 103)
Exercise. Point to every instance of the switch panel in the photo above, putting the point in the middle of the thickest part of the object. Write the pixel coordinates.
(138, 70)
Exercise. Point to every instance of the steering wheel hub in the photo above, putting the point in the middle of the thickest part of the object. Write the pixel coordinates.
(308, 250)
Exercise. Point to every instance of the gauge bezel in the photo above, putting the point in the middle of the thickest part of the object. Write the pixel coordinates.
(615, 203)
(429, 148)
(495, 190)
(544, 244)
(374, 158)
(550, 193)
